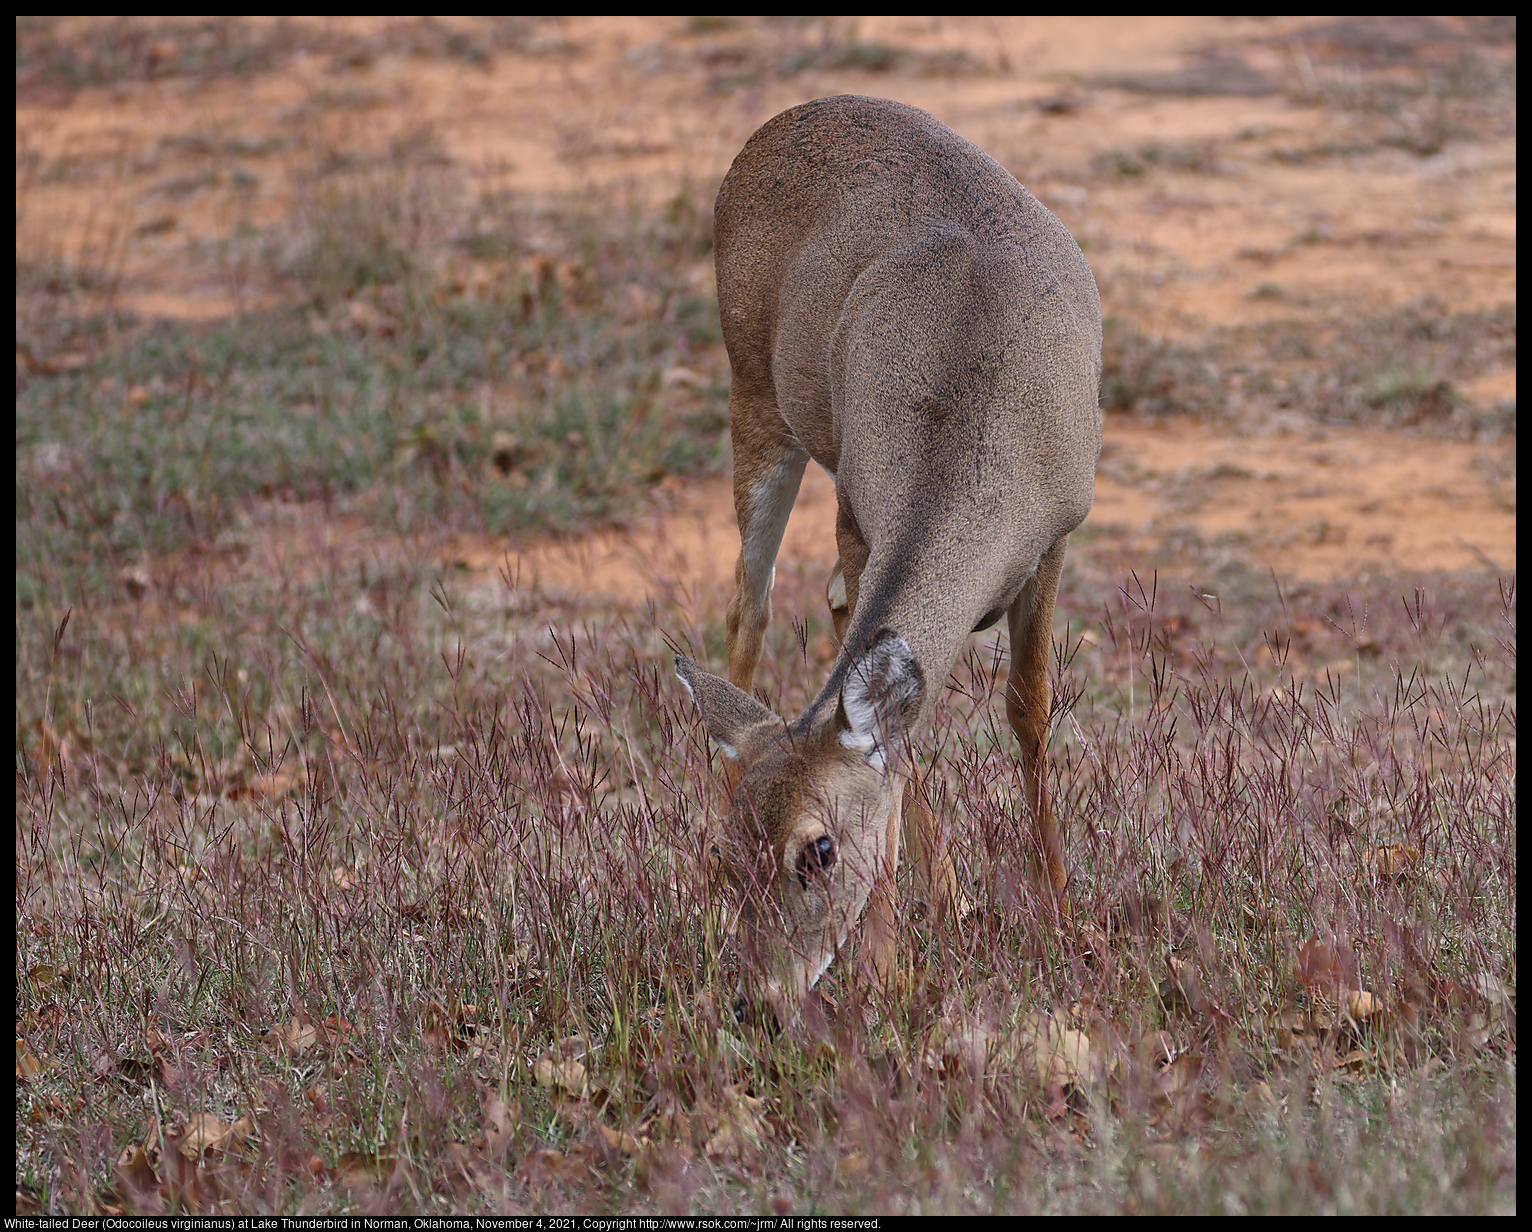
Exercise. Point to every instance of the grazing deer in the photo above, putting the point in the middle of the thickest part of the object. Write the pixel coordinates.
(899, 309)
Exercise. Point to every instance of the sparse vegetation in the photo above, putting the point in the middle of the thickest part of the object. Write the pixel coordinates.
(1395, 367)
(1195, 158)
(1409, 100)
(786, 47)
(529, 385)
(61, 53)
(349, 880)
(364, 885)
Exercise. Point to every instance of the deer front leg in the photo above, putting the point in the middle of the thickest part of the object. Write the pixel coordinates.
(840, 605)
(927, 846)
(1026, 705)
(881, 944)
(768, 466)
(846, 578)
(922, 835)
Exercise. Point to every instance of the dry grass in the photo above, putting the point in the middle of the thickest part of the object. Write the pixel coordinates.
(1400, 368)
(347, 901)
(345, 885)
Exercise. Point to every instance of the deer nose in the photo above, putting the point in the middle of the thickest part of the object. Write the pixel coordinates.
(760, 1015)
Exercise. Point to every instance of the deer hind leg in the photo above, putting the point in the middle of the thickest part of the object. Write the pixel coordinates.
(1027, 700)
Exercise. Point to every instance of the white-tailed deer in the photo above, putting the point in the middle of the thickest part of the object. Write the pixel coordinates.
(899, 309)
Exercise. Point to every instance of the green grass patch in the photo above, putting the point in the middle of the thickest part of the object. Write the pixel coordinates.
(1388, 369)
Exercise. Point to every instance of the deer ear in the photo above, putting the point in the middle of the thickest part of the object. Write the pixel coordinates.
(731, 716)
(880, 698)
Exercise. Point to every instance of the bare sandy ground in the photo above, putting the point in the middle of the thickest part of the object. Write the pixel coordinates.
(645, 108)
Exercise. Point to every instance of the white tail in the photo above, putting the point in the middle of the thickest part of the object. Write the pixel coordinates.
(899, 309)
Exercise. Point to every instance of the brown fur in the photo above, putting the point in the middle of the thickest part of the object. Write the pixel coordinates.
(899, 309)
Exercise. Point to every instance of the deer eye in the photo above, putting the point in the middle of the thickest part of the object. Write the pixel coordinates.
(815, 859)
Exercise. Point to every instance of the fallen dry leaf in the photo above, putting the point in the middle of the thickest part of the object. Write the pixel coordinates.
(741, 1122)
(1048, 1051)
(54, 1107)
(41, 1018)
(497, 1122)
(562, 1068)
(1391, 861)
(465, 1164)
(28, 1063)
(1327, 967)
(46, 976)
(205, 1132)
(296, 1036)
(364, 1167)
(619, 1140)
(1258, 1099)
(137, 1181)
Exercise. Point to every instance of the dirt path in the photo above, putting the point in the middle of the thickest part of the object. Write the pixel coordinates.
(1316, 507)
(1218, 172)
